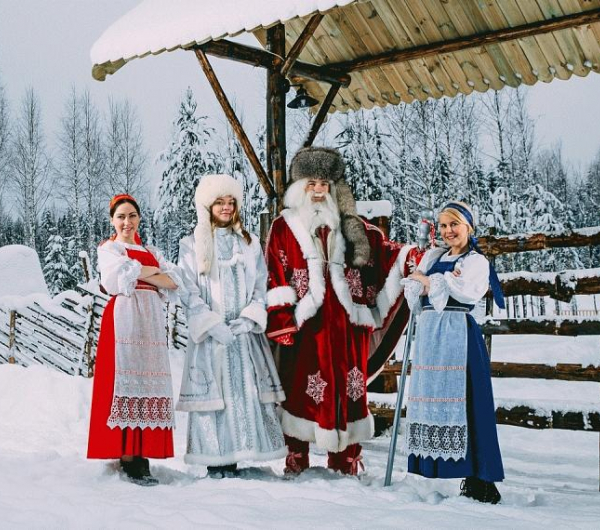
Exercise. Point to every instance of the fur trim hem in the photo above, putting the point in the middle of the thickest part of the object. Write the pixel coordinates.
(281, 296)
(258, 314)
(332, 440)
(392, 288)
(200, 323)
(200, 406)
(234, 458)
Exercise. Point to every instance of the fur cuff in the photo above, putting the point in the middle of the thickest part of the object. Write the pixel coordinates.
(392, 288)
(200, 323)
(281, 296)
(233, 458)
(257, 313)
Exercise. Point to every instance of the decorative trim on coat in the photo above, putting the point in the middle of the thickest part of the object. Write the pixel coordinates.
(332, 440)
(201, 406)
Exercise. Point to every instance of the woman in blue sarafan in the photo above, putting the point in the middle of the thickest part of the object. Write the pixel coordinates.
(451, 420)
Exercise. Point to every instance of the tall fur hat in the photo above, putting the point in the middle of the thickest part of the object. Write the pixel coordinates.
(210, 188)
(327, 164)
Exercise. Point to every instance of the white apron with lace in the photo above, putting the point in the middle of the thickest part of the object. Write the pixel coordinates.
(143, 393)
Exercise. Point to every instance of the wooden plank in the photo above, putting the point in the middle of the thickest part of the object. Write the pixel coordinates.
(529, 45)
(566, 39)
(374, 33)
(547, 42)
(300, 43)
(235, 123)
(586, 40)
(539, 29)
(560, 327)
(509, 54)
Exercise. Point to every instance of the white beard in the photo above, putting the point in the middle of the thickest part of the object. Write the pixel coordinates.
(313, 214)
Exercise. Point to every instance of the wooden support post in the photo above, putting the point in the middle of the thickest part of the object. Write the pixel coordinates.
(235, 123)
(299, 45)
(276, 139)
(12, 336)
(89, 340)
(321, 115)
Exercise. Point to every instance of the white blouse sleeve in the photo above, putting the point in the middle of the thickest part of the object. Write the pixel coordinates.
(118, 272)
(474, 279)
(171, 270)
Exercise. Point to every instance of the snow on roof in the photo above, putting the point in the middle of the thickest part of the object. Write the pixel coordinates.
(20, 272)
(155, 26)
(372, 209)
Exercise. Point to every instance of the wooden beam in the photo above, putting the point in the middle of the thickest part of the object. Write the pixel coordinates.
(562, 286)
(520, 416)
(300, 43)
(496, 245)
(321, 115)
(562, 327)
(563, 372)
(256, 57)
(470, 41)
(235, 123)
(276, 138)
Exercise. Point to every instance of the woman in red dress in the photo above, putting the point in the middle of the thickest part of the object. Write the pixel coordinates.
(132, 402)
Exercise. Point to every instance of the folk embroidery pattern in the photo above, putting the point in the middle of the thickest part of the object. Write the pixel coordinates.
(316, 387)
(354, 282)
(355, 384)
(284, 260)
(299, 281)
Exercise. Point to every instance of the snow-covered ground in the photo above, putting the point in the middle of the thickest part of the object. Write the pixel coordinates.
(46, 481)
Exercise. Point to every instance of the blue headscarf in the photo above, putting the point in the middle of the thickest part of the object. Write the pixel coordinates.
(494, 280)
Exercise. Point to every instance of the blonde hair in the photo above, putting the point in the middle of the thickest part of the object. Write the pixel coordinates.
(457, 216)
(235, 223)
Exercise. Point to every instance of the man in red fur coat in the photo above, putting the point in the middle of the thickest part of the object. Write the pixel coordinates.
(333, 280)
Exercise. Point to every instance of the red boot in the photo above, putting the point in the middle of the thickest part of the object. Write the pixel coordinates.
(297, 459)
(347, 461)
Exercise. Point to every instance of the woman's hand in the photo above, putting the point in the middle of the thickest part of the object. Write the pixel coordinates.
(161, 280)
(148, 271)
(420, 277)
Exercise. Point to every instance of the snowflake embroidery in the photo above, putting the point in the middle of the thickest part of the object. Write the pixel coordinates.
(299, 281)
(355, 384)
(371, 294)
(284, 260)
(316, 387)
(354, 282)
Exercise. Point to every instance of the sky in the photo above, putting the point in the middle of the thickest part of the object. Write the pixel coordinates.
(46, 44)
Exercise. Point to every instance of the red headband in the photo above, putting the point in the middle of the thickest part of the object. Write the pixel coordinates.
(118, 198)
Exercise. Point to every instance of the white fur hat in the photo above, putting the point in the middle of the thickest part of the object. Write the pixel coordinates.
(210, 188)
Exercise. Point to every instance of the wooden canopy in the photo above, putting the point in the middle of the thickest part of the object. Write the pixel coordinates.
(356, 54)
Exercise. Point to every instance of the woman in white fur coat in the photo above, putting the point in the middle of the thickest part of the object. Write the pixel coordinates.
(230, 384)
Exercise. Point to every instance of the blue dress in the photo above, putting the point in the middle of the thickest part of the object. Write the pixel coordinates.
(482, 459)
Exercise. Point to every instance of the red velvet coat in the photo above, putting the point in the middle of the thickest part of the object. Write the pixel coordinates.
(323, 312)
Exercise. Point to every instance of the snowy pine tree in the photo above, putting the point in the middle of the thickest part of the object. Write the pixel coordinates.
(56, 270)
(188, 157)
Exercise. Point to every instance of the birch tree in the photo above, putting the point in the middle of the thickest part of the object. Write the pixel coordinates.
(30, 165)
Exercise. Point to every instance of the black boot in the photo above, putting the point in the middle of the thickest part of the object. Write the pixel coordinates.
(138, 471)
(480, 490)
(230, 470)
